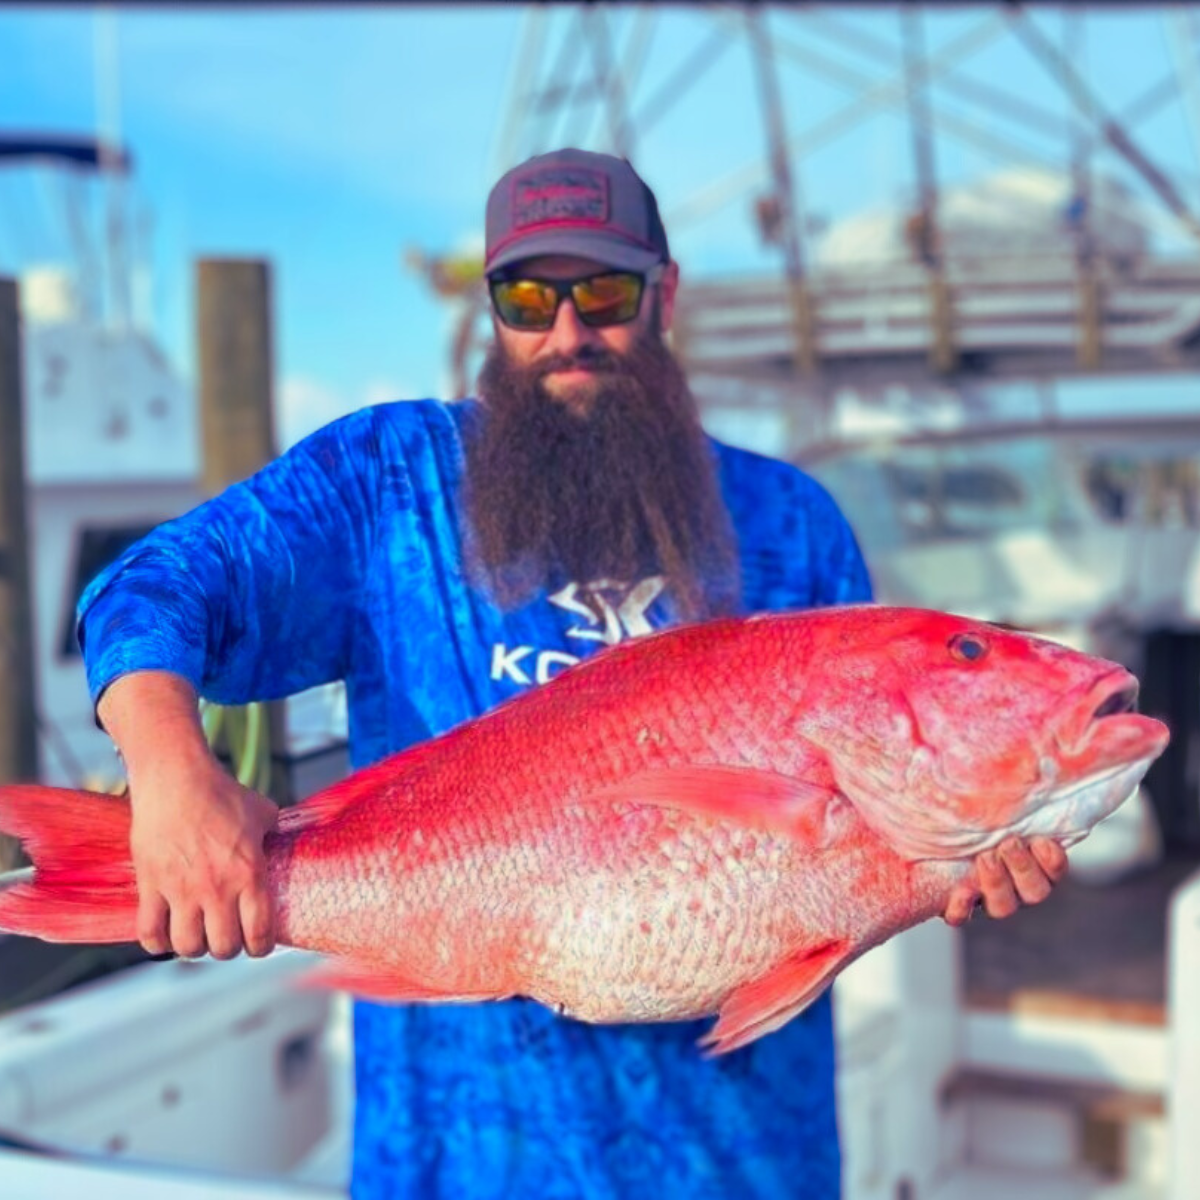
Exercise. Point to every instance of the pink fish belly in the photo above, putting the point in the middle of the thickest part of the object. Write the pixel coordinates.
(611, 913)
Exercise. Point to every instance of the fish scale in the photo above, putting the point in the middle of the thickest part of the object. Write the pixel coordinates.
(637, 875)
(660, 938)
(713, 819)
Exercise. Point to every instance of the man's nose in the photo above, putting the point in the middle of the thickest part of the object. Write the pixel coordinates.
(568, 333)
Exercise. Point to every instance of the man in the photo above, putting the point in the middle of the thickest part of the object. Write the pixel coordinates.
(440, 559)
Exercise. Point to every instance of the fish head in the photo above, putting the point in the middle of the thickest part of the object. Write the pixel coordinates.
(958, 734)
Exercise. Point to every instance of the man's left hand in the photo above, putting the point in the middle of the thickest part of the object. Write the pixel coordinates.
(1015, 873)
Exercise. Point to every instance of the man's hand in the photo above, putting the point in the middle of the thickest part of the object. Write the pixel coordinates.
(1015, 872)
(197, 835)
(197, 850)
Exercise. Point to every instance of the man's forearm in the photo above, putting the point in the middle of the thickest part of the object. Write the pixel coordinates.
(152, 716)
(196, 836)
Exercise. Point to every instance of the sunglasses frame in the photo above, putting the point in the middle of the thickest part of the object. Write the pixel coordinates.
(565, 289)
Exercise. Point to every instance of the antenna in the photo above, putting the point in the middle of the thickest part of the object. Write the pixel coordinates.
(108, 119)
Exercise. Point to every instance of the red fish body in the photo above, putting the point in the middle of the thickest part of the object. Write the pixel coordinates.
(717, 818)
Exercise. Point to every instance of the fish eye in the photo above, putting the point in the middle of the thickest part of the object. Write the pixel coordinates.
(968, 647)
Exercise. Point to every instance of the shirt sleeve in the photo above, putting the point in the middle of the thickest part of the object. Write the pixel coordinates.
(254, 594)
(824, 564)
(842, 575)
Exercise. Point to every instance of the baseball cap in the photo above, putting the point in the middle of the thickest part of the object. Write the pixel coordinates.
(574, 202)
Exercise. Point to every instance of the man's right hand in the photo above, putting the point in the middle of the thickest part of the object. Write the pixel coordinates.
(197, 850)
(197, 834)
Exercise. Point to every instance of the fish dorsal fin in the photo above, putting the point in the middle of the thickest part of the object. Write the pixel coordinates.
(744, 796)
(771, 1001)
(396, 770)
(321, 809)
(328, 805)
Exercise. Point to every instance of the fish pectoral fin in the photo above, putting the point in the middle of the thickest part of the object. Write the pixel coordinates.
(795, 805)
(383, 983)
(771, 1001)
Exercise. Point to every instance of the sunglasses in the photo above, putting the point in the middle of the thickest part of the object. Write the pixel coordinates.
(611, 298)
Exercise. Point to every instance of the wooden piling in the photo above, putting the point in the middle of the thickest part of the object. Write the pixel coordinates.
(18, 696)
(234, 340)
(235, 354)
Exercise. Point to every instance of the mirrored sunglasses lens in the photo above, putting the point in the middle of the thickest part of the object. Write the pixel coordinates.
(525, 303)
(608, 299)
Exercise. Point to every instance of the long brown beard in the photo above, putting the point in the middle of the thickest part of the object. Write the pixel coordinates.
(625, 491)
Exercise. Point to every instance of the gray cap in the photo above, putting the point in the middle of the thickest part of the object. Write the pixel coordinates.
(578, 203)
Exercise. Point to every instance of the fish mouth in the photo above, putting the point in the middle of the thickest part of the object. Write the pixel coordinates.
(1121, 699)
(1108, 729)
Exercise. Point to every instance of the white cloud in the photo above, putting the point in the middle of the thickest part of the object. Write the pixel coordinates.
(382, 391)
(303, 405)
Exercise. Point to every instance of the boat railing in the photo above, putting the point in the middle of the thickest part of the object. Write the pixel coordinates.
(1183, 1015)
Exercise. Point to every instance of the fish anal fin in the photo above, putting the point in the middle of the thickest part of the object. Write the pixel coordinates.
(743, 795)
(384, 983)
(771, 1001)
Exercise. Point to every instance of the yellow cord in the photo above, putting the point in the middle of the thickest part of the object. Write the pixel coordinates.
(247, 738)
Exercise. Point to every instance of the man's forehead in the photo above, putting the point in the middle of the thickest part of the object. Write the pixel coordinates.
(557, 266)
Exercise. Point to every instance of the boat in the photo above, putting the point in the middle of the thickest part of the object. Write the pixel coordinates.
(174, 1079)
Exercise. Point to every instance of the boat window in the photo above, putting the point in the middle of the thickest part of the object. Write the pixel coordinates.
(924, 493)
(948, 500)
(95, 547)
(939, 502)
(1112, 484)
(1154, 488)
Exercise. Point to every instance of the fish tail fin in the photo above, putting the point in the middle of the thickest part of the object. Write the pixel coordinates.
(83, 887)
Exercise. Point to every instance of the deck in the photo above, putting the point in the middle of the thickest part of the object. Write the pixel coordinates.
(1096, 952)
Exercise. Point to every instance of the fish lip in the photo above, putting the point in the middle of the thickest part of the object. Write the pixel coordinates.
(1118, 683)
(1112, 695)
(1106, 711)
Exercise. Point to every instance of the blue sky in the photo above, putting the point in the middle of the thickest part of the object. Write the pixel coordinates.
(329, 141)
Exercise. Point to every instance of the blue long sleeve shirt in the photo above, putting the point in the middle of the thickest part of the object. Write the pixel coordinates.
(342, 560)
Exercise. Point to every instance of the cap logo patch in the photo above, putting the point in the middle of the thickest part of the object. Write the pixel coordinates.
(561, 194)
